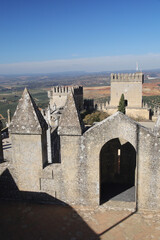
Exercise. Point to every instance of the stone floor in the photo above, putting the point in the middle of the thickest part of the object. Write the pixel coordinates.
(48, 222)
(117, 192)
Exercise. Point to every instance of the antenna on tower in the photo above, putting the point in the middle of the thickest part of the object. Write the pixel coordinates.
(137, 68)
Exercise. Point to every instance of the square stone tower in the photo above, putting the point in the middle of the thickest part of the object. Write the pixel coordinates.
(58, 96)
(128, 84)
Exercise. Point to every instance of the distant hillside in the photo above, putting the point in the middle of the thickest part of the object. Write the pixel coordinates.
(96, 86)
(18, 82)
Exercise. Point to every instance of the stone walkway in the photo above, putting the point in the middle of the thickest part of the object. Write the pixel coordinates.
(52, 222)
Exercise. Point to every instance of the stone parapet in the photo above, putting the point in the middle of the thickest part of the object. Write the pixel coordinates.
(136, 113)
(131, 77)
(65, 90)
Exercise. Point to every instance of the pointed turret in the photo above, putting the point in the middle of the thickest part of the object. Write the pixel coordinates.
(29, 143)
(27, 118)
(70, 122)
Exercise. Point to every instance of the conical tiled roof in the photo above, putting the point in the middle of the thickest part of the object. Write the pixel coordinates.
(70, 122)
(27, 118)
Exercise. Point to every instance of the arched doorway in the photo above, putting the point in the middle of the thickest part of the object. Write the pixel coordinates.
(117, 171)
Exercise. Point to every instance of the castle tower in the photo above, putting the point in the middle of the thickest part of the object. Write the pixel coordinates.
(58, 96)
(29, 145)
(130, 85)
(1, 147)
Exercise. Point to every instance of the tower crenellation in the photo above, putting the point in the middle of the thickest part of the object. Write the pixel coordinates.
(58, 96)
(125, 77)
(65, 89)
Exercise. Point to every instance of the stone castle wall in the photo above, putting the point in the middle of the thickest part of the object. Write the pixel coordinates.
(136, 113)
(139, 113)
(75, 178)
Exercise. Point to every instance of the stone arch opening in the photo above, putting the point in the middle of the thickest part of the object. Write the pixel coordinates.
(117, 171)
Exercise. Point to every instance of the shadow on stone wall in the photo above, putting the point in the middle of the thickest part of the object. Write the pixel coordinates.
(22, 217)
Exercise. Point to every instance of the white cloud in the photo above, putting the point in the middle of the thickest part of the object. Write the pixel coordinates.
(107, 63)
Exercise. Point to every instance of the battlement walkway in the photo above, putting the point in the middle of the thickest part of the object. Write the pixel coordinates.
(54, 222)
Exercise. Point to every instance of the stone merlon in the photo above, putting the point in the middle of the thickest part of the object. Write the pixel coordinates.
(70, 123)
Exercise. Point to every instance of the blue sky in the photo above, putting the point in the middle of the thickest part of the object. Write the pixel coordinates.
(60, 35)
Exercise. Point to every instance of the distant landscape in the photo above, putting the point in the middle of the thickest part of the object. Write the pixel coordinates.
(96, 86)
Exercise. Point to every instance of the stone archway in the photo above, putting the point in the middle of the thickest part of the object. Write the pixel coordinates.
(117, 171)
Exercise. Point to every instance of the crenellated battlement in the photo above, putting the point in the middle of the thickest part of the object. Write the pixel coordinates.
(131, 77)
(58, 96)
(56, 90)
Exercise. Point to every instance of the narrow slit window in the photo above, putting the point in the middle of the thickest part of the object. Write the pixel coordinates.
(119, 161)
